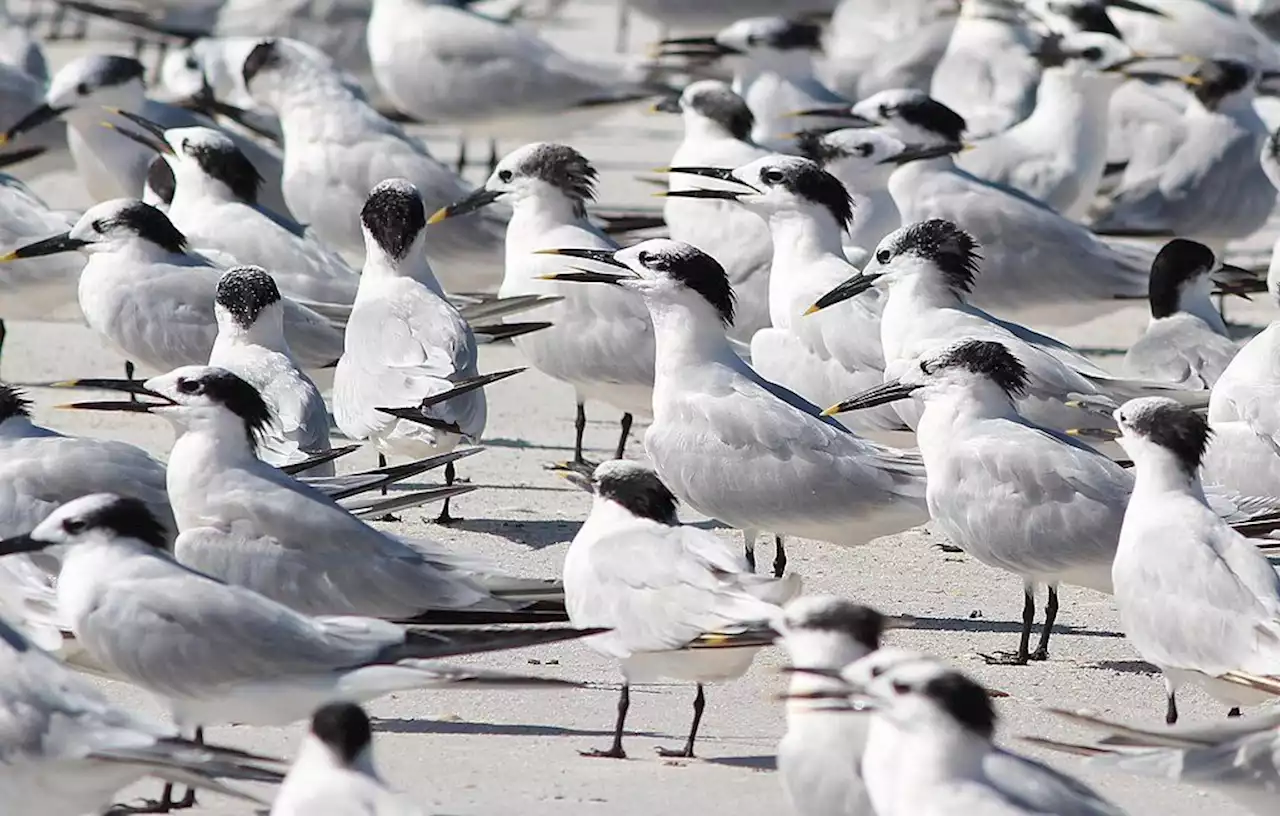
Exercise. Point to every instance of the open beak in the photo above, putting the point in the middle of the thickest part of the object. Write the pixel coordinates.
(1101, 434)
(135, 387)
(1190, 80)
(836, 112)
(49, 246)
(152, 139)
(21, 544)
(33, 120)
(718, 173)
(603, 256)
(851, 288)
(882, 394)
(479, 199)
(921, 152)
(694, 47)
(1235, 280)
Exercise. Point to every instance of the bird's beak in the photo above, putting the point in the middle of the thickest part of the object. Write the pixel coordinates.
(851, 288)
(698, 47)
(33, 120)
(882, 394)
(136, 387)
(1131, 5)
(479, 199)
(1142, 56)
(1235, 280)
(49, 246)
(833, 674)
(718, 173)
(152, 140)
(1103, 434)
(1190, 80)
(725, 195)
(836, 112)
(667, 104)
(21, 544)
(921, 152)
(1269, 83)
(603, 256)
(573, 477)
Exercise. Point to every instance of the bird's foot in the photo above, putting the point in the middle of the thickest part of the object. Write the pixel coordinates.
(1041, 653)
(163, 805)
(446, 518)
(1005, 658)
(612, 753)
(388, 517)
(675, 753)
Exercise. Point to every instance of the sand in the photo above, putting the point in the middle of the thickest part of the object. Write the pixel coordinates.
(480, 752)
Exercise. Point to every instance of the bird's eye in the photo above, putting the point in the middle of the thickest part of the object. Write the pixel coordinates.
(98, 226)
(900, 687)
(188, 386)
(886, 111)
(771, 176)
(505, 176)
(82, 89)
(924, 367)
(863, 150)
(73, 526)
(644, 258)
(876, 671)
(884, 256)
(191, 62)
(1093, 53)
(183, 146)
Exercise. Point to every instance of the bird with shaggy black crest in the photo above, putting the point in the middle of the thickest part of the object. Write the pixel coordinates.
(679, 602)
(730, 443)
(930, 269)
(826, 357)
(862, 159)
(717, 133)
(601, 339)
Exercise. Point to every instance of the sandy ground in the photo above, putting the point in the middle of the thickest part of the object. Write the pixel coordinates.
(487, 752)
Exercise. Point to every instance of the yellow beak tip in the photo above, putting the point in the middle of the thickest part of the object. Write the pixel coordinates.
(811, 310)
(9, 256)
(546, 252)
(64, 384)
(438, 216)
(548, 276)
(832, 411)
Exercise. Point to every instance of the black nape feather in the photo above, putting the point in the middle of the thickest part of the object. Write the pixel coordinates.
(795, 34)
(223, 160)
(808, 180)
(13, 402)
(394, 216)
(953, 250)
(236, 395)
(110, 70)
(563, 168)
(344, 727)
(1093, 17)
(698, 271)
(724, 107)
(128, 517)
(264, 55)
(930, 114)
(988, 358)
(964, 700)
(863, 624)
(245, 291)
(1173, 427)
(148, 223)
(1220, 78)
(640, 491)
(1179, 262)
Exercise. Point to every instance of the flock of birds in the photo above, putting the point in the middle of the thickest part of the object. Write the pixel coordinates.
(818, 328)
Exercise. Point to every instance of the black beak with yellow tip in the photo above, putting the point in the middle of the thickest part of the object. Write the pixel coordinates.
(1102, 434)
(849, 289)
(921, 152)
(135, 387)
(694, 48)
(602, 256)
(477, 200)
(836, 112)
(33, 120)
(718, 173)
(21, 544)
(882, 394)
(152, 138)
(49, 246)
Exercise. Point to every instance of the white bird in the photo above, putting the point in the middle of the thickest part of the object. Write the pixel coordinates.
(1239, 758)
(111, 168)
(33, 290)
(337, 148)
(250, 524)
(733, 445)
(601, 339)
(1212, 187)
(1061, 503)
(65, 750)
(822, 358)
(440, 61)
(146, 294)
(218, 653)
(717, 133)
(678, 602)
(405, 343)
(772, 63)
(215, 204)
(929, 269)
(1196, 598)
(872, 45)
(1058, 154)
(334, 772)
(930, 751)
(820, 755)
(251, 345)
(863, 160)
(1186, 341)
(1037, 262)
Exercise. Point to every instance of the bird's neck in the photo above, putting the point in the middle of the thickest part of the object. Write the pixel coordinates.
(1157, 473)
(380, 268)
(700, 131)
(805, 235)
(909, 305)
(194, 191)
(1070, 102)
(932, 757)
(92, 566)
(687, 335)
(263, 332)
(531, 215)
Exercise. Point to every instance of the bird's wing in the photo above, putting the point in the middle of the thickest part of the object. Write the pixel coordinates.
(1182, 350)
(661, 587)
(1035, 788)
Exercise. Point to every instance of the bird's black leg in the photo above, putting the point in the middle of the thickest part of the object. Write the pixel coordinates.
(1171, 707)
(449, 475)
(615, 751)
(1024, 644)
(1050, 615)
(749, 547)
(579, 428)
(382, 462)
(699, 703)
(129, 368)
(779, 556)
(462, 155)
(189, 800)
(4, 332)
(493, 155)
(626, 431)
